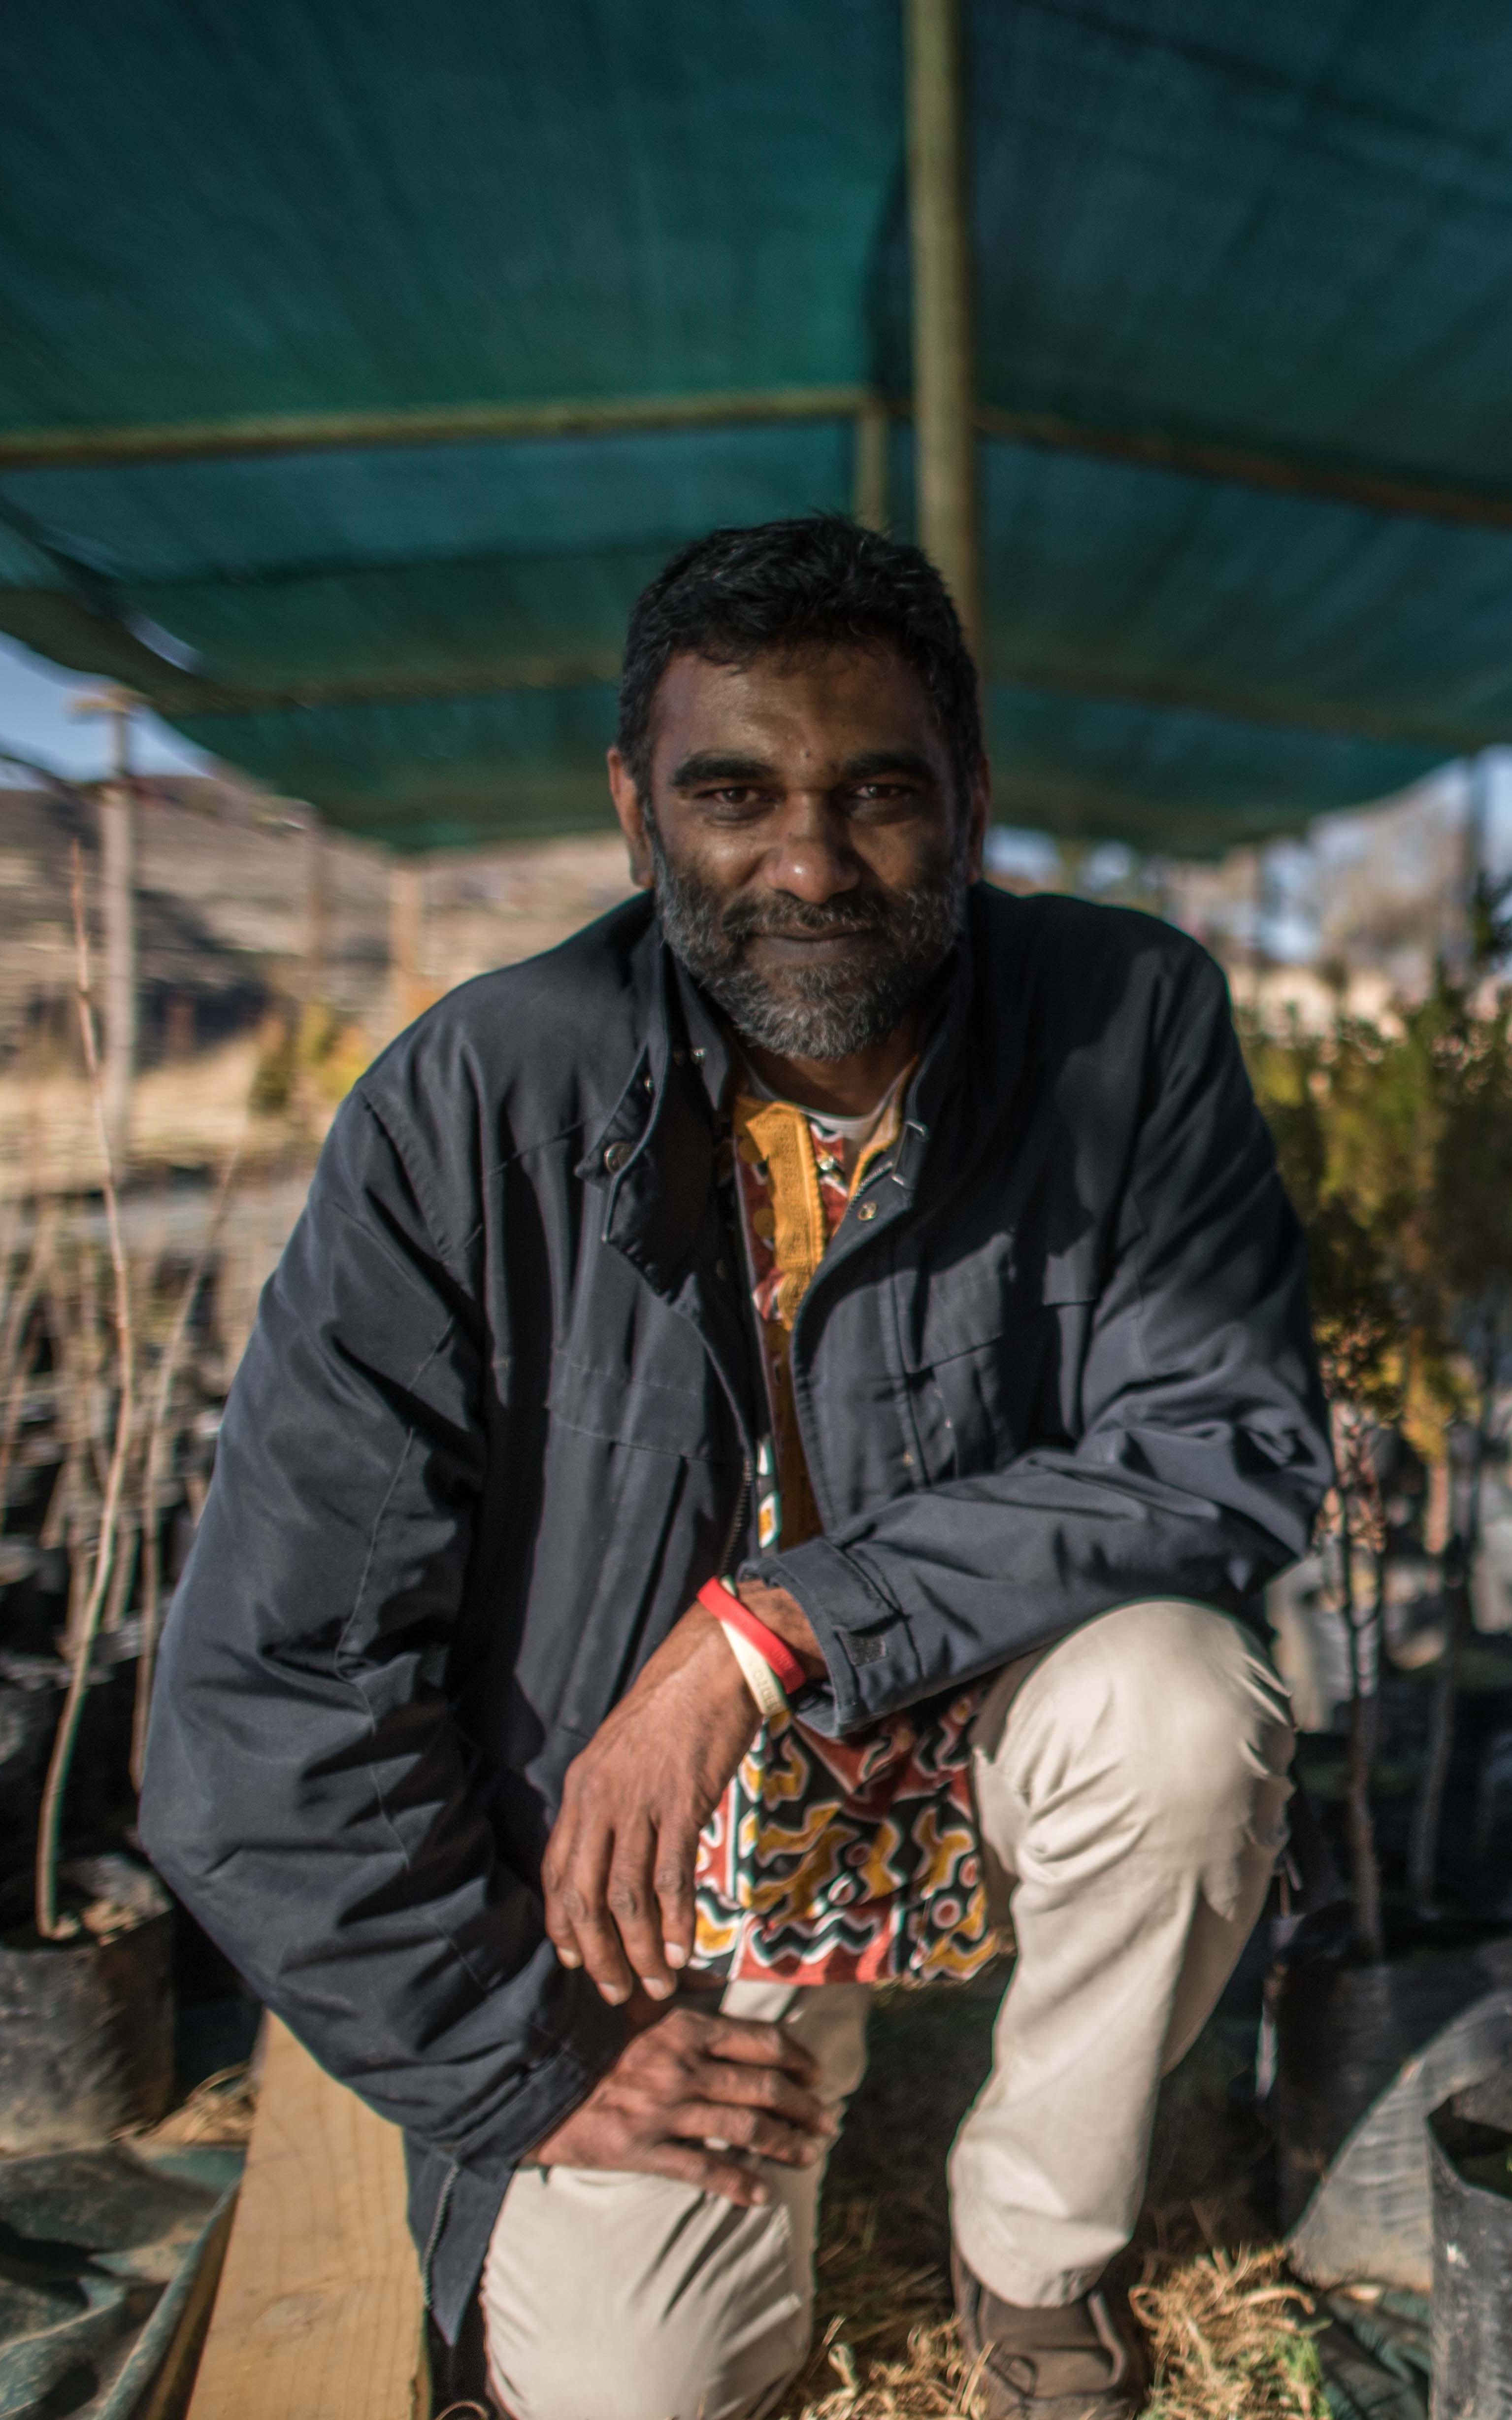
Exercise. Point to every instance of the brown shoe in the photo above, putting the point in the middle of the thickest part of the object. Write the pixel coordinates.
(1078, 2363)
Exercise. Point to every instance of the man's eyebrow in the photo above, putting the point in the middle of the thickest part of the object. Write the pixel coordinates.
(875, 762)
(710, 764)
(872, 765)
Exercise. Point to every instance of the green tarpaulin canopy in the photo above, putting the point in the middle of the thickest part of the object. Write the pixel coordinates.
(360, 362)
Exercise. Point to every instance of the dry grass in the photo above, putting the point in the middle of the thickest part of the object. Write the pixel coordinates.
(930, 2381)
(1231, 2339)
(220, 2110)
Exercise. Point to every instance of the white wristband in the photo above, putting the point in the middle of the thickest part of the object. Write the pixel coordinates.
(763, 1683)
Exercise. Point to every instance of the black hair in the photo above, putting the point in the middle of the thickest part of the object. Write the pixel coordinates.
(823, 579)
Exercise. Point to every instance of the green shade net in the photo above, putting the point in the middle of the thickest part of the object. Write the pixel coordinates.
(1281, 228)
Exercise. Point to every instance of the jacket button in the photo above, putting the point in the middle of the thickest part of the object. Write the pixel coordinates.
(866, 1210)
(615, 1157)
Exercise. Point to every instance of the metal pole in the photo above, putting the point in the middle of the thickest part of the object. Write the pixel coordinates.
(869, 496)
(117, 873)
(944, 349)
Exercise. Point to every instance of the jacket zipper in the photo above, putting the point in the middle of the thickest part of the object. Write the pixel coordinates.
(742, 1500)
(433, 2239)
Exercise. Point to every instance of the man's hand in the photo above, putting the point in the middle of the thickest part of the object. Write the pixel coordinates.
(618, 1872)
(690, 2079)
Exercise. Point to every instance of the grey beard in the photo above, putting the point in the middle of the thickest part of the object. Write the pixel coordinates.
(823, 1011)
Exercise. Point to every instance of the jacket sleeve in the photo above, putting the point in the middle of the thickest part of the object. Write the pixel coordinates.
(1203, 1451)
(307, 1792)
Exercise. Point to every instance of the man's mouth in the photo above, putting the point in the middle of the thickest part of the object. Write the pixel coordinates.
(839, 941)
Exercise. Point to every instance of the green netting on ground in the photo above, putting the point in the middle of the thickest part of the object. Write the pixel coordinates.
(1275, 226)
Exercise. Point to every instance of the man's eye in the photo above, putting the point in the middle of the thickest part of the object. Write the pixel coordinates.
(733, 794)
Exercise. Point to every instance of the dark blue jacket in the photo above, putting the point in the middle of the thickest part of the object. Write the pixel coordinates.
(494, 1429)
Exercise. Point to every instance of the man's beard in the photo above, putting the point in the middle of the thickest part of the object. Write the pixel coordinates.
(826, 1011)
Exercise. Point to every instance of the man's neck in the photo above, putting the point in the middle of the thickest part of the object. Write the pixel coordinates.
(842, 1088)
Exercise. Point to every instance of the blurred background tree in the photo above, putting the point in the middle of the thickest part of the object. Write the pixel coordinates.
(1394, 1141)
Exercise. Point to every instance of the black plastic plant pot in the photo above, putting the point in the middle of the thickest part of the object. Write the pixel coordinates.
(1470, 2163)
(1364, 2053)
(86, 2023)
(28, 1724)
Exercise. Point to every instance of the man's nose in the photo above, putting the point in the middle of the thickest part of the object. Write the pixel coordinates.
(811, 855)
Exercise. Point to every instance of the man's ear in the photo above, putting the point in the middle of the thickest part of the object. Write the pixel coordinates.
(627, 800)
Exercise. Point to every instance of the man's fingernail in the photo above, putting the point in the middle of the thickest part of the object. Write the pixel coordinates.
(568, 1958)
(761, 2193)
(657, 1989)
(615, 1994)
(675, 1953)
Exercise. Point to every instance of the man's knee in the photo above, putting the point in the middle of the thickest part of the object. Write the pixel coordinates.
(618, 2369)
(1170, 1710)
(630, 2298)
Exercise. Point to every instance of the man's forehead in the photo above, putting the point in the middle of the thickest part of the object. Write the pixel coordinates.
(830, 701)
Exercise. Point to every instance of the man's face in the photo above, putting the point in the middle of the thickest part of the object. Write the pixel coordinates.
(805, 841)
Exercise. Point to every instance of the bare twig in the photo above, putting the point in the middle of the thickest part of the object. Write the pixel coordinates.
(83, 1639)
(168, 1367)
(1458, 1566)
(123, 1571)
(1360, 1514)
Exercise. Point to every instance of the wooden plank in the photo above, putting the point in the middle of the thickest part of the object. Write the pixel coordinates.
(318, 2313)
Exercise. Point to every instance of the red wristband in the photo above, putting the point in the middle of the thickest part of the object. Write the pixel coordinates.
(726, 1606)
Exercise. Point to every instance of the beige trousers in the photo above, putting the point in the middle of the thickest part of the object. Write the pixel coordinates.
(1132, 1791)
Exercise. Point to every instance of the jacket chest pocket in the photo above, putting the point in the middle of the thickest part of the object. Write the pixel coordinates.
(1001, 1371)
(639, 1483)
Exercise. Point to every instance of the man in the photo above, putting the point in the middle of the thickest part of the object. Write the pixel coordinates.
(754, 1455)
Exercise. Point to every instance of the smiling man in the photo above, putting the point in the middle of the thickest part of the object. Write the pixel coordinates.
(754, 1465)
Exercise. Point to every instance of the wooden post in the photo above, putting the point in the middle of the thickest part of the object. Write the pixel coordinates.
(117, 876)
(407, 916)
(944, 345)
(117, 883)
(315, 975)
(868, 492)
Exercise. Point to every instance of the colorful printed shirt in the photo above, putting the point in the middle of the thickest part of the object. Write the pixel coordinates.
(829, 1860)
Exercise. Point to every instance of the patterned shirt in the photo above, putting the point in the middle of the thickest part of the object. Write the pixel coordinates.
(827, 1860)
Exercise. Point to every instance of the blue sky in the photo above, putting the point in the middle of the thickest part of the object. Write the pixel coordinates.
(35, 720)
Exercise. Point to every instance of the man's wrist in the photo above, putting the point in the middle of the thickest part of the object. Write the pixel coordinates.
(784, 1615)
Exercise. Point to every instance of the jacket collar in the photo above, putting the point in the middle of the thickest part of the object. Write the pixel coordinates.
(654, 1153)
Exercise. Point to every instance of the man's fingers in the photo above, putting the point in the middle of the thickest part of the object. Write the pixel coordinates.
(710, 2171)
(554, 1867)
(580, 1898)
(633, 1905)
(754, 2131)
(751, 2044)
(676, 1856)
(762, 2089)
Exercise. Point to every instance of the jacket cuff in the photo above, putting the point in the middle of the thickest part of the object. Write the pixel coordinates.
(873, 1665)
(548, 2091)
